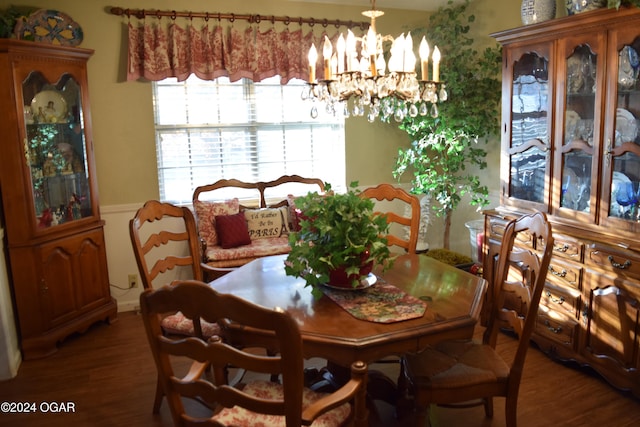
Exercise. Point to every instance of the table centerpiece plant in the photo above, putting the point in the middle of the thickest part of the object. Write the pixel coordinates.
(339, 239)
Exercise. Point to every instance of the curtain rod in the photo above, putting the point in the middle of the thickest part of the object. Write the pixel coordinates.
(142, 13)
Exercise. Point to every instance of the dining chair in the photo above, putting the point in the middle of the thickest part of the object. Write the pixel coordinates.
(391, 193)
(165, 245)
(468, 373)
(258, 401)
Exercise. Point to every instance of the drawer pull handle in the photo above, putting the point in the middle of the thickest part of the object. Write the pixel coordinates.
(551, 328)
(555, 300)
(622, 266)
(563, 248)
(562, 273)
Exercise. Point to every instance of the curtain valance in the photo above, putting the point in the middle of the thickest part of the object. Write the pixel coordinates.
(178, 45)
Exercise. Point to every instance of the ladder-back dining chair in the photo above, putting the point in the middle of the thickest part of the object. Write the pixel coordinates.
(391, 193)
(165, 245)
(459, 372)
(258, 401)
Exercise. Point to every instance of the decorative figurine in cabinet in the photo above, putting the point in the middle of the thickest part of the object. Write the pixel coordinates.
(55, 240)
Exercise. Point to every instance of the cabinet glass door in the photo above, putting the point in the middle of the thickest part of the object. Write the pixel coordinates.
(530, 129)
(579, 125)
(623, 156)
(55, 149)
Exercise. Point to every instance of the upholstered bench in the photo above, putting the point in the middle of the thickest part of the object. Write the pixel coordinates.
(240, 221)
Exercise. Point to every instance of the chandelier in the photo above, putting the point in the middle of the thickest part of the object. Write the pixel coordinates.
(391, 89)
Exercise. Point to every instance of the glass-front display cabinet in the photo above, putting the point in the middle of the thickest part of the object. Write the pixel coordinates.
(55, 238)
(571, 148)
(56, 149)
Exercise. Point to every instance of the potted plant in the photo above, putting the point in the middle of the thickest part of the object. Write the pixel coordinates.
(339, 235)
(443, 148)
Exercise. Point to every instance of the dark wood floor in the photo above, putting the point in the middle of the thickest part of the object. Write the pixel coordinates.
(108, 375)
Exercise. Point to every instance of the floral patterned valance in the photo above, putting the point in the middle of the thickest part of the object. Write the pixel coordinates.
(161, 47)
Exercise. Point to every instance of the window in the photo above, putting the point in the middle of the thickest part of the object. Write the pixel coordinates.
(209, 130)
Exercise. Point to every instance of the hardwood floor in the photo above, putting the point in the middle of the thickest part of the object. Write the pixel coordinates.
(109, 377)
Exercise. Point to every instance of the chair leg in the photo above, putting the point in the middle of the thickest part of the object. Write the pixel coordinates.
(405, 403)
(422, 416)
(488, 406)
(511, 412)
(157, 400)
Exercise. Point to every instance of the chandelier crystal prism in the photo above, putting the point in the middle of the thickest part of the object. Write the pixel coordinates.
(388, 90)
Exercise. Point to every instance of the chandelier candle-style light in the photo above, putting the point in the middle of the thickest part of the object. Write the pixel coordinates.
(392, 89)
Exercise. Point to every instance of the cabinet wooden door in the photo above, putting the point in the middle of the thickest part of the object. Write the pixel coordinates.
(612, 327)
(71, 268)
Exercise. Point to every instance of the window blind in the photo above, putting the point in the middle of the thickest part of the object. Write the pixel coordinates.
(210, 130)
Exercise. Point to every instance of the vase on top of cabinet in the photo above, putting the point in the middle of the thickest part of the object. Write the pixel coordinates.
(571, 148)
(54, 232)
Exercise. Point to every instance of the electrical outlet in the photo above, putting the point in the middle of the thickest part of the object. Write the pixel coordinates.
(133, 281)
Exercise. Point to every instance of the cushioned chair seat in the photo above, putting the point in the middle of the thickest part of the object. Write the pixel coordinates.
(178, 324)
(240, 417)
(219, 257)
(457, 364)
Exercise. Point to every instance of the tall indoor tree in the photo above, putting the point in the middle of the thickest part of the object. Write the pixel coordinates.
(443, 147)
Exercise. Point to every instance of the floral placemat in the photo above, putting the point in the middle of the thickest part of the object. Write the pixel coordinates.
(380, 303)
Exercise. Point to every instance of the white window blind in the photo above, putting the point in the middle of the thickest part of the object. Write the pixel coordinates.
(209, 130)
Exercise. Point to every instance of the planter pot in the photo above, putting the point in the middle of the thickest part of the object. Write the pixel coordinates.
(532, 11)
(338, 278)
(579, 6)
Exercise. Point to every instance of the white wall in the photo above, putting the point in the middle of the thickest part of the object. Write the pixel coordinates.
(120, 258)
(9, 351)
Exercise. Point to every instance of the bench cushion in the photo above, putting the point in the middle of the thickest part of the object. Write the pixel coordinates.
(219, 257)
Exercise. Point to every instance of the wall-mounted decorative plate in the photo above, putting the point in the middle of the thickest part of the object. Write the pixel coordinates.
(50, 26)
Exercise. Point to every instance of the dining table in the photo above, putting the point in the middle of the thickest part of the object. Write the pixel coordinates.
(451, 301)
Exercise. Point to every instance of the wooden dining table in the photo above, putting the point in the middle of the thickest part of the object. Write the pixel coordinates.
(453, 302)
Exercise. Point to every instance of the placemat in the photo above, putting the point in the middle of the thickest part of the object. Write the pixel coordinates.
(380, 303)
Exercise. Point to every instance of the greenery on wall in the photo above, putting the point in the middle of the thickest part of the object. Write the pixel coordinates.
(444, 147)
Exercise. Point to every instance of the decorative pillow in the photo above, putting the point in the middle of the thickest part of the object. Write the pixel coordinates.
(268, 222)
(232, 230)
(206, 213)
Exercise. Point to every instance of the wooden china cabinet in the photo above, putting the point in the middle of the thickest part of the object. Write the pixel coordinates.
(571, 148)
(55, 240)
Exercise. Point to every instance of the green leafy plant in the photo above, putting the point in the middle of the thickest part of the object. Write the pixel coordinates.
(336, 231)
(617, 3)
(444, 147)
(10, 16)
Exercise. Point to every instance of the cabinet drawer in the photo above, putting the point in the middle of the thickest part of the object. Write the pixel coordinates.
(561, 299)
(612, 259)
(564, 273)
(567, 247)
(556, 327)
